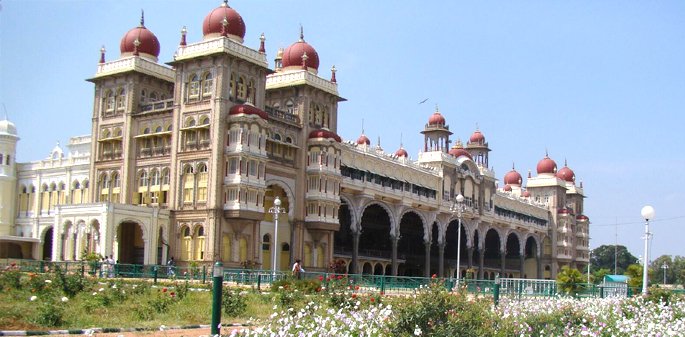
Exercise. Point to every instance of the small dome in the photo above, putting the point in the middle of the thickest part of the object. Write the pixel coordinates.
(148, 45)
(565, 210)
(513, 178)
(458, 150)
(401, 152)
(567, 174)
(324, 133)
(7, 128)
(477, 137)
(507, 188)
(525, 194)
(363, 140)
(213, 24)
(436, 119)
(547, 165)
(581, 217)
(292, 56)
(247, 109)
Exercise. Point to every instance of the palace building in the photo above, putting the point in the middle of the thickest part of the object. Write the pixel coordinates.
(187, 158)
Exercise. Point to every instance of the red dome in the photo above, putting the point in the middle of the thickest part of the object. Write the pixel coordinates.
(564, 210)
(567, 174)
(401, 152)
(247, 109)
(525, 194)
(147, 42)
(292, 56)
(507, 188)
(363, 140)
(213, 23)
(436, 119)
(458, 152)
(477, 137)
(512, 178)
(324, 133)
(547, 165)
(581, 217)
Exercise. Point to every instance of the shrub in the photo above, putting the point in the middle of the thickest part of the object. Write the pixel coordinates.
(233, 303)
(428, 310)
(49, 313)
(569, 280)
(10, 277)
(71, 284)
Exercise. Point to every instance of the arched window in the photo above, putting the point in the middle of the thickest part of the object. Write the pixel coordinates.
(121, 99)
(202, 183)
(290, 107)
(266, 251)
(109, 100)
(186, 244)
(231, 87)
(199, 241)
(194, 87)
(143, 96)
(207, 83)
(153, 96)
(242, 89)
(188, 184)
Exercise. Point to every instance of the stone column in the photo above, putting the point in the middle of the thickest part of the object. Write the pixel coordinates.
(503, 255)
(469, 253)
(539, 265)
(394, 255)
(481, 262)
(427, 268)
(523, 261)
(355, 252)
(441, 259)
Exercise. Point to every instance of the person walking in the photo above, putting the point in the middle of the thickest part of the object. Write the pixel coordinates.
(297, 269)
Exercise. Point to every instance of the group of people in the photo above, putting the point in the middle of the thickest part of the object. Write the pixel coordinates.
(108, 263)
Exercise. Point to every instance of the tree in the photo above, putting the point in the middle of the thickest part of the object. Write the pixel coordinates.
(569, 280)
(604, 256)
(598, 275)
(634, 272)
(675, 273)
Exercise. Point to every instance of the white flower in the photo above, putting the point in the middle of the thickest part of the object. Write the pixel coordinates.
(162, 327)
(101, 289)
(33, 298)
(94, 293)
(48, 281)
(64, 299)
(417, 331)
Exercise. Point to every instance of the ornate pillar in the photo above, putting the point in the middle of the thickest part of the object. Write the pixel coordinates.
(522, 271)
(503, 254)
(539, 263)
(441, 259)
(481, 262)
(394, 255)
(469, 253)
(427, 268)
(355, 251)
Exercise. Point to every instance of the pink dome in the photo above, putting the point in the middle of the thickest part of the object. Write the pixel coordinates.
(507, 188)
(363, 140)
(213, 23)
(292, 56)
(247, 109)
(547, 165)
(513, 178)
(436, 119)
(525, 194)
(582, 217)
(567, 174)
(458, 150)
(147, 41)
(401, 152)
(324, 133)
(477, 137)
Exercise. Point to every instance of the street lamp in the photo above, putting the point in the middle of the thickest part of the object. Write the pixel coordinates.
(218, 280)
(664, 267)
(458, 208)
(275, 210)
(647, 213)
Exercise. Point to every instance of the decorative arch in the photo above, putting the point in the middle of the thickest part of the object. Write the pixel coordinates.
(132, 220)
(288, 192)
(394, 228)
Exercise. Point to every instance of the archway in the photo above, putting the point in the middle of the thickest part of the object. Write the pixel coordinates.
(531, 259)
(492, 252)
(378, 269)
(131, 247)
(47, 244)
(513, 253)
(374, 241)
(451, 238)
(411, 246)
(343, 239)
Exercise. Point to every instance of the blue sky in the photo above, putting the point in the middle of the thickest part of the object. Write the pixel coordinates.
(598, 83)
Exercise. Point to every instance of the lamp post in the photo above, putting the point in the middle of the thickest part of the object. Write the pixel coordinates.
(275, 210)
(218, 280)
(664, 267)
(458, 208)
(647, 213)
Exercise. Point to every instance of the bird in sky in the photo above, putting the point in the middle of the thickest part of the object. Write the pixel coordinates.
(424, 101)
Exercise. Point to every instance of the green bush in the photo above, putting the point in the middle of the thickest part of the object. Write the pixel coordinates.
(49, 313)
(10, 277)
(71, 284)
(428, 311)
(233, 303)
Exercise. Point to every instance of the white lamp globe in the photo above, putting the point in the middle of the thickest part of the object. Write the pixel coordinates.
(277, 201)
(647, 213)
(460, 198)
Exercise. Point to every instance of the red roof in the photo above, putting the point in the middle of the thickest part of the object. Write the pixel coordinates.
(247, 109)
(363, 140)
(436, 119)
(513, 178)
(567, 174)
(477, 137)
(401, 152)
(547, 165)
(213, 23)
(292, 56)
(324, 133)
(147, 42)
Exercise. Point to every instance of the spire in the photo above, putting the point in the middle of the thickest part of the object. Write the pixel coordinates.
(513, 167)
(102, 54)
(546, 153)
(333, 70)
(362, 126)
(436, 108)
(225, 4)
(142, 18)
(262, 49)
(565, 163)
(530, 174)
(301, 33)
(184, 31)
(401, 140)
(224, 26)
